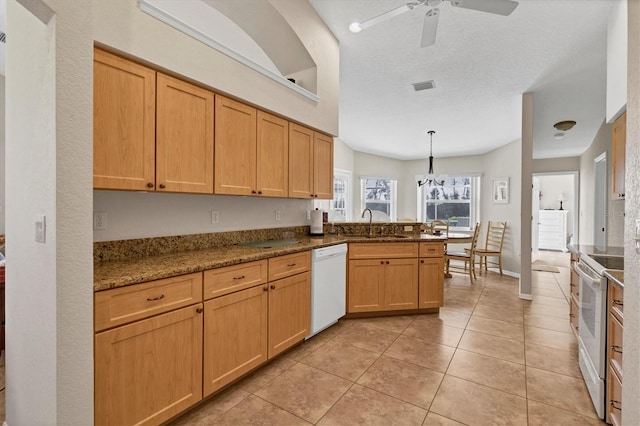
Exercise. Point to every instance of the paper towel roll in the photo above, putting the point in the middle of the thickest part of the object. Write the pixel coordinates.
(316, 222)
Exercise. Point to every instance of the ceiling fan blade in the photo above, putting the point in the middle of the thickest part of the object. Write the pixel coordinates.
(430, 27)
(499, 7)
(387, 15)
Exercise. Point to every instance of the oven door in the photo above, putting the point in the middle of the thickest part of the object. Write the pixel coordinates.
(592, 307)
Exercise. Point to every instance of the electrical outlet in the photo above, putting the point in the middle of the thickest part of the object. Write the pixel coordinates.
(215, 216)
(308, 214)
(277, 214)
(99, 221)
(408, 228)
(41, 228)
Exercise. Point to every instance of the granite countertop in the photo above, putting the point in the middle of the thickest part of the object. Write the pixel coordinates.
(123, 272)
(616, 276)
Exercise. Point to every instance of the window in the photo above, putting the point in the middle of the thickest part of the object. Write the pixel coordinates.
(453, 199)
(379, 195)
(340, 207)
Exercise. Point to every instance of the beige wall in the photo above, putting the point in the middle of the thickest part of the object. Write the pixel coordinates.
(615, 208)
(631, 356)
(501, 163)
(550, 165)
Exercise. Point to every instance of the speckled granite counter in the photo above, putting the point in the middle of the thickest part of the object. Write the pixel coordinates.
(123, 272)
(615, 276)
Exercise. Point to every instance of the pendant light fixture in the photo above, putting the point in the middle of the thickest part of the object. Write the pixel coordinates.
(431, 177)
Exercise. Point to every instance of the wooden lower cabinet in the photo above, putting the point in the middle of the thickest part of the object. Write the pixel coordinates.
(289, 312)
(382, 284)
(615, 349)
(365, 292)
(149, 371)
(431, 283)
(235, 336)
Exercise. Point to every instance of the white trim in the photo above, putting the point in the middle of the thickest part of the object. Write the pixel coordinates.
(192, 32)
(348, 176)
(525, 296)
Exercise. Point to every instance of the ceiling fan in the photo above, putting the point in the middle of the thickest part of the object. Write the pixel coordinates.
(498, 7)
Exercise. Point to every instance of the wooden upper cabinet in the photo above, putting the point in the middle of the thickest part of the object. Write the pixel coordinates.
(272, 156)
(235, 152)
(619, 142)
(124, 96)
(300, 161)
(184, 140)
(322, 166)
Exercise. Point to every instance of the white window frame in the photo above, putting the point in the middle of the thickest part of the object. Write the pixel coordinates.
(474, 208)
(393, 201)
(348, 177)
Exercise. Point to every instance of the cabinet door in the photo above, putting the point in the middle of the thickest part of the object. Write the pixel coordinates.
(401, 284)
(149, 371)
(124, 138)
(184, 140)
(322, 166)
(235, 336)
(235, 156)
(365, 289)
(272, 156)
(619, 142)
(431, 278)
(300, 161)
(289, 312)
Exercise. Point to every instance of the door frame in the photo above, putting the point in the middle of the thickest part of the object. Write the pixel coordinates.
(576, 200)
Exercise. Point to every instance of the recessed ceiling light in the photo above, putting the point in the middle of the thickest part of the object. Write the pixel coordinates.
(355, 27)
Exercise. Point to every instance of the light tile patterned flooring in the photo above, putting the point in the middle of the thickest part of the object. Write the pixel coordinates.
(487, 358)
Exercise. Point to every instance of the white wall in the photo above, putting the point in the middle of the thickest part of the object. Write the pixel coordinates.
(631, 356)
(142, 215)
(615, 208)
(343, 155)
(616, 61)
(121, 25)
(563, 164)
(2, 155)
(49, 295)
(504, 162)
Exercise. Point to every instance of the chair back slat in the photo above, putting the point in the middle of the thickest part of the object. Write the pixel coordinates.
(495, 236)
(474, 240)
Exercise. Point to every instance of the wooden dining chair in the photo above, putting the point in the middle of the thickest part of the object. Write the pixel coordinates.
(439, 225)
(467, 256)
(493, 245)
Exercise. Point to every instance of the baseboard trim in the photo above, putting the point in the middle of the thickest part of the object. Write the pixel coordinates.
(525, 296)
(507, 273)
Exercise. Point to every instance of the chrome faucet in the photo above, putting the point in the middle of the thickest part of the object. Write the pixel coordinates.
(370, 220)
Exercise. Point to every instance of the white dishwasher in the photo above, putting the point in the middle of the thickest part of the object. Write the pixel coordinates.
(328, 286)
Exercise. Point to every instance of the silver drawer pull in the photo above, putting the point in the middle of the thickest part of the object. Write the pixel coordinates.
(291, 264)
(241, 277)
(153, 299)
(616, 349)
(617, 302)
(616, 404)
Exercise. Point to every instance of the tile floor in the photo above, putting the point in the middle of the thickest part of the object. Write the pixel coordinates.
(487, 358)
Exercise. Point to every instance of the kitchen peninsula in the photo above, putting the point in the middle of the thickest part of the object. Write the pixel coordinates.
(219, 308)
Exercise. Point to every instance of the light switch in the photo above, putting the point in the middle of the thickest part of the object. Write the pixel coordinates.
(41, 228)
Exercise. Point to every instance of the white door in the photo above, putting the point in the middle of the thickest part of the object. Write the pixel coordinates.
(600, 201)
(535, 218)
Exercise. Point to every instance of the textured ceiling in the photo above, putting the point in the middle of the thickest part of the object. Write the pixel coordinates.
(481, 64)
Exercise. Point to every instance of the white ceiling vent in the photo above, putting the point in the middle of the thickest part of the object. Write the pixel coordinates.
(424, 85)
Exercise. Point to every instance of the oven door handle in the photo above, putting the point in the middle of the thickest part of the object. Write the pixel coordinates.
(586, 274)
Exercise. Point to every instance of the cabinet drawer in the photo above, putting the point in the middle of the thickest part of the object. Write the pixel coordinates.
(614, 398)
(615, 344)
(218, 282)
(382, 250)
(126, 304)
(431, 249)
(290, 264)
(616, 304)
